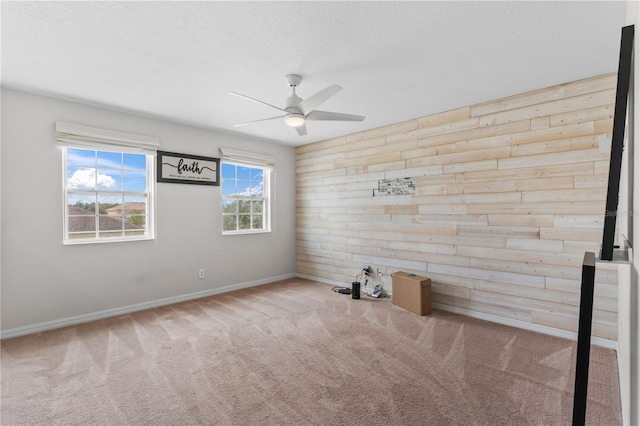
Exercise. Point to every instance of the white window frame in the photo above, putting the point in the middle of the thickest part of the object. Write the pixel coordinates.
(252, 160)
(70, 136)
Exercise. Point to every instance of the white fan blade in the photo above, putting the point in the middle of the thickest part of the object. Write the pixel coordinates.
(333, 116)
(257, 121)
(302, 130)
(255, 100)
(316, 100)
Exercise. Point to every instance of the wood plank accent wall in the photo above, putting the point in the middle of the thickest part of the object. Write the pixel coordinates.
(509, 195)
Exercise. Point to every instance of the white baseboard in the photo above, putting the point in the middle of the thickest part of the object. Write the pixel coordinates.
(64, 322)
(323, 280)
(611, 344)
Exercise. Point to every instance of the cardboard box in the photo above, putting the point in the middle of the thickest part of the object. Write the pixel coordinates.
(411, 292)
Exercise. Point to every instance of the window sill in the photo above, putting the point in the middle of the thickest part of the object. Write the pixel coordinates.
(262, 231)
(103, 241)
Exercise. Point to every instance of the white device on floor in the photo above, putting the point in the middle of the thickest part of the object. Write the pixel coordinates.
(373, 290)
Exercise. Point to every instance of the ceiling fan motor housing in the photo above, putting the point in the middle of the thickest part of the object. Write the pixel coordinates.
(291, 102)
(293, 80)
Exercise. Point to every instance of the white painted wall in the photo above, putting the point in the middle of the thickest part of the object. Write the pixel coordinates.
(45, 283)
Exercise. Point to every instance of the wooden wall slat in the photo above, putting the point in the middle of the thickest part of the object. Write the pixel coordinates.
(595, 84)
(509, 194)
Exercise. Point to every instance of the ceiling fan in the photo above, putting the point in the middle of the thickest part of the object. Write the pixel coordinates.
(297, 111)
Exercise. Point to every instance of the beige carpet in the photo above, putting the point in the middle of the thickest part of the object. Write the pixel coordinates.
(296, 353)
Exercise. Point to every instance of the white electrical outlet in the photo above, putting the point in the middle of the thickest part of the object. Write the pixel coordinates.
(201, 273)
(379, 272)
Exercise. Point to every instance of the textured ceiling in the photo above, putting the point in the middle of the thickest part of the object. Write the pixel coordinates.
(395, 60)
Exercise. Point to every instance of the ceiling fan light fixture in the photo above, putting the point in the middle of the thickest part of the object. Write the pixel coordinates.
(294, 120)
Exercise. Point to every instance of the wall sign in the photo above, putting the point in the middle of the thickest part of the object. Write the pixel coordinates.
(400, 186)
(184, 168)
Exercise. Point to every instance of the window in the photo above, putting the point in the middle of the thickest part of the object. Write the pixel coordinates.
(245, 188)
(244, 205)
(107, 187)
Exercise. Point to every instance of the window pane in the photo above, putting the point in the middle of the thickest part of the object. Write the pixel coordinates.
(111, 209)
(258, 189)
(228, 186)
(84, 223)
(135, 204)
(134, 181)
(81, 157)
(82, 235)
(111, 223)
(135, 209)
(111, 234)
(228, 171)
(81, 203)
(110, 179)
(81, 178)
(229, 222)
(256, 174)
(257, 206)
(244, 172)
(244, 221)
(111, 160)
(134, 232)
(110, 204)
(135, 221)
(229, 206)
(257, 221)
(244, 206)
(244, 187)
(136, 162)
